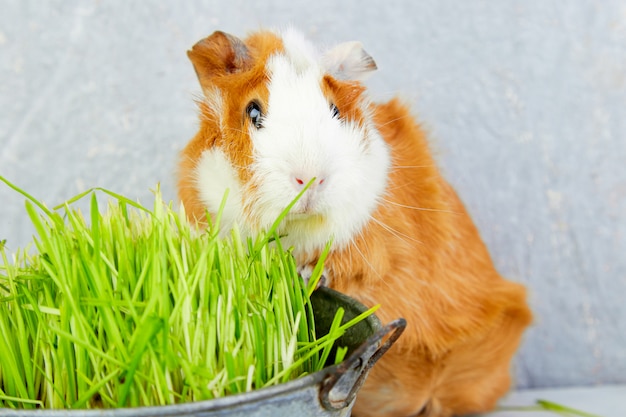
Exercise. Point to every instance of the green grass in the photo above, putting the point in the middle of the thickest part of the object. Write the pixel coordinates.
(550, 406)
(135, 306)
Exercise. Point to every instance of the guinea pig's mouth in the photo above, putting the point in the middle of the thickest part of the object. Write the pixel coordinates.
(302, 215)
(304, 218)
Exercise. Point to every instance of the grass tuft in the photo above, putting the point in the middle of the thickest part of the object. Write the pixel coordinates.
(135, 307)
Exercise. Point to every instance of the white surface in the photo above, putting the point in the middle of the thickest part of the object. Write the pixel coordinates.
(604, 401)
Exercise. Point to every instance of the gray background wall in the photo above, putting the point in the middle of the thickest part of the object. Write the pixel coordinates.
(525, 102)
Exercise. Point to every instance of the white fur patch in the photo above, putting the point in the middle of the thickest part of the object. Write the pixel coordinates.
(301, 140)
(214, 176)
(302, 53)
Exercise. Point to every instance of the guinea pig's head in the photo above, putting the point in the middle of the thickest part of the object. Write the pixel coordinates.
(276, 115)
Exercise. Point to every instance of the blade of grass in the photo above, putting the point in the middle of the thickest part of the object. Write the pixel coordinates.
(271, 231)
(94, 387)
(80, 196)
(29, 197)
(20, 400)
(138, 347)
(551, 406)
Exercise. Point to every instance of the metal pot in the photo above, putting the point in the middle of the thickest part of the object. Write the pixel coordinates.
(329, 392)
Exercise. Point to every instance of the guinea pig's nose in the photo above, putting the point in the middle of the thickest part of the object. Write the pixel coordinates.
(301, 181)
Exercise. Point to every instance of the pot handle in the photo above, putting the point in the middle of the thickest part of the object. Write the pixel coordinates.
(341, 386)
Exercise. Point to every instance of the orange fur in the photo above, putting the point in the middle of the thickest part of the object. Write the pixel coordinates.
(347, 96)
(420, 257)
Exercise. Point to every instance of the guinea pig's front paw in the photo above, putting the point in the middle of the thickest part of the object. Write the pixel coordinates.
(306, 272)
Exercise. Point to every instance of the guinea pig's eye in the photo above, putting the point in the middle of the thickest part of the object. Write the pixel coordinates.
(334, 111)
(254, 113)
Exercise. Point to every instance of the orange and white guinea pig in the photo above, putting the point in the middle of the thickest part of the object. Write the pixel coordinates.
(277, 112)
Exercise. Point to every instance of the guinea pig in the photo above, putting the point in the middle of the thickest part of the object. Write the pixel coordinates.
(277, 113)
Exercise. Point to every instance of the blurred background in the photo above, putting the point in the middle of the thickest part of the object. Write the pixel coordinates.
(525, 102)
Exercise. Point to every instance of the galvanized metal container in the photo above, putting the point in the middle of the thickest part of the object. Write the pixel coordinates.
(329, 392)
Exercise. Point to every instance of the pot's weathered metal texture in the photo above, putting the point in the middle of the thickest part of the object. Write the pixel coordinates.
(327, 393)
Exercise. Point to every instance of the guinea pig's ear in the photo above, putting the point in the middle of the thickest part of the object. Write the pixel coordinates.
(218, 54)
(348, 61)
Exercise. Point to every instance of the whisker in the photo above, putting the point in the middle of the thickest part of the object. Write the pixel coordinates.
(419, 208)
(374, 270)
(237, 130)
(395, 232)
(388, 122)
(398, 187)
(243, 168)
(413, 166)
(189, 158)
